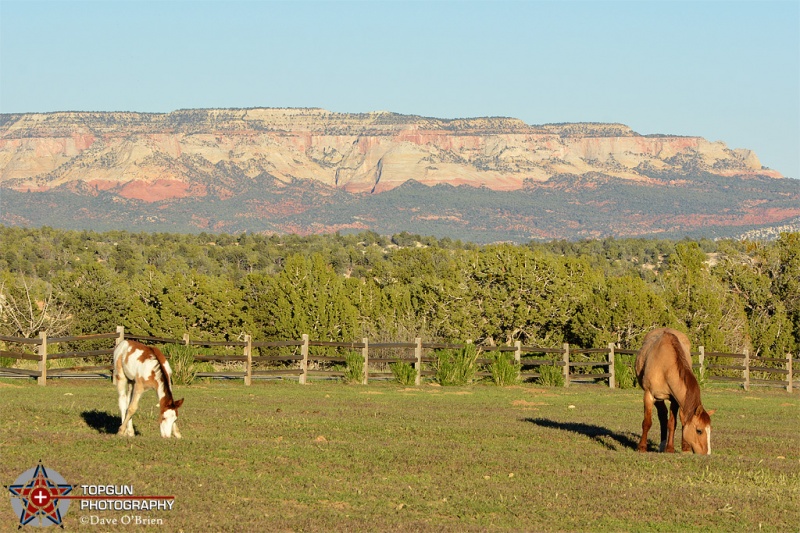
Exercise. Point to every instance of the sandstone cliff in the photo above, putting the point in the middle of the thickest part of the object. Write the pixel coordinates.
(157, 156)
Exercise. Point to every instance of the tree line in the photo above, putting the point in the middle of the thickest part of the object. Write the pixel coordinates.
(726, 295)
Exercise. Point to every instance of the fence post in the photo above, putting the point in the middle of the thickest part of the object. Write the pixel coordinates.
(518, 352)
(611, 378)
(566, 364)
(746, 369)
(702, 359)
(248, 352)
(43, 359)
(418, 364)
(789, 369)
(365, 354)
(304, 362)
(186, 339)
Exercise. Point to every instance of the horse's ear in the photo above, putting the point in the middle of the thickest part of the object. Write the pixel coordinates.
(711, 412)
(177, 403)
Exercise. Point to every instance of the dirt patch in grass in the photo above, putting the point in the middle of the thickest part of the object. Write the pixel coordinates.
(525, 403)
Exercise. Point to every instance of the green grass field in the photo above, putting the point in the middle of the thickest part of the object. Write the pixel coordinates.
(333, 457)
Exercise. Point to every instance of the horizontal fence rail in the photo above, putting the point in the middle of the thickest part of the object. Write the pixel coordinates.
(299, 362)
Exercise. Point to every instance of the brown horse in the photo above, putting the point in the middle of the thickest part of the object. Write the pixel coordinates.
(138, 368)
(664, 370)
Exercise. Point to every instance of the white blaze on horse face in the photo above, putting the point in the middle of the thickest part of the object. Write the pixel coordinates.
(708, 434)
(167, 421)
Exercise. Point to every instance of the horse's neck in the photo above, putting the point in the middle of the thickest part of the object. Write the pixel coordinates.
(164, 390)
(684, 385)
(685, 394)
(677, 389)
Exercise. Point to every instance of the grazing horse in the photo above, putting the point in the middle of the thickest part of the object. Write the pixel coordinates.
(664, 370)
(138, 368)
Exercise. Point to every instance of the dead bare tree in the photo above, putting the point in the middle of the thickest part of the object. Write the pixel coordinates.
(28, 308)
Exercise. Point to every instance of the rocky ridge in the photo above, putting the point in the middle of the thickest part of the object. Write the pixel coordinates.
(153, 157)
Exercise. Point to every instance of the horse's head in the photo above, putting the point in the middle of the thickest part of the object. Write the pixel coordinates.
(168, 417)
(697, 432)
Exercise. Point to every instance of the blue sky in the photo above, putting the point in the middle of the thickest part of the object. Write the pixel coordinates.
(727, 71)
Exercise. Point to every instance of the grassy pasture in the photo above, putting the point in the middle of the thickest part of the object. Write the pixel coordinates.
(333, 457)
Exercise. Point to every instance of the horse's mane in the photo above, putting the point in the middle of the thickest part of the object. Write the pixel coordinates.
(691, 401)
(162, 363)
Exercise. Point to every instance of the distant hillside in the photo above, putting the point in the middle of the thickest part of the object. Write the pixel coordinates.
(313, 171)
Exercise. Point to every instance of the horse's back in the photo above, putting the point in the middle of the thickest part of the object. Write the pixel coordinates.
(657, 357)
(135, 360)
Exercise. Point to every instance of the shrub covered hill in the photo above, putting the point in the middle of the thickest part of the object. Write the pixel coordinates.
(310, 171)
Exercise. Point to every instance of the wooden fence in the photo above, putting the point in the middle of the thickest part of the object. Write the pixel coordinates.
(711, 362)
(301, 364)
(43, 343)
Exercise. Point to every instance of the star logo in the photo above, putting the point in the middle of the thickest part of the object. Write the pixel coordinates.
(36, 497)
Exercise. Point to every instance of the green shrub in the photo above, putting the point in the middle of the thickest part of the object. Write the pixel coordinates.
(551, 376)
(404, 373)
(354, 367)
(7, 362)
(67, 362)
(702, 376)
(456, 367)
(183, 365)
(505, 370)
(624, 374)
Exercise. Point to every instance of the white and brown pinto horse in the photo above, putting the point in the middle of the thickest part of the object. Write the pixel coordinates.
(664, 370)
(138, 368)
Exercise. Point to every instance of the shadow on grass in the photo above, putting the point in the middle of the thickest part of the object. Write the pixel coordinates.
(101, 421)
(610, 439)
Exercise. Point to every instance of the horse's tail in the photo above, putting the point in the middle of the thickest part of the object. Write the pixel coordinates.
(116, 367)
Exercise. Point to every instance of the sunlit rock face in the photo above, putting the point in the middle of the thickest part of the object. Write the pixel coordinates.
(153, 157)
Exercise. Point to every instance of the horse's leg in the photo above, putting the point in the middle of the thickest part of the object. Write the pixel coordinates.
(666, 436)
(124, 391)
(133, 405)
(672, 424)
(133, 394)
(648, 420)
